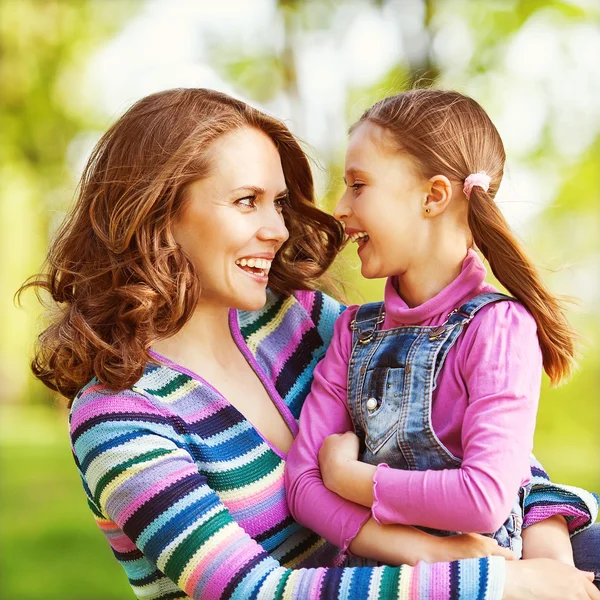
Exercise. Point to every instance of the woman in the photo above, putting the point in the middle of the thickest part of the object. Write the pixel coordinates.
(187, 374)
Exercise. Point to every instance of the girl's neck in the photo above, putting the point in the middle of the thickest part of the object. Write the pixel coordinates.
(425, 278)
(206, 336)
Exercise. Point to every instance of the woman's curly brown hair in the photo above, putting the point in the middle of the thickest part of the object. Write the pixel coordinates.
(120, 280)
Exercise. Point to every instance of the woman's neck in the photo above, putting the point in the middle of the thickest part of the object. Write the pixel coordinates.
(205, 337)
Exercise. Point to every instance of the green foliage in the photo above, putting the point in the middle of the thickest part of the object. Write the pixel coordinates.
(261, 76)
(44, 49)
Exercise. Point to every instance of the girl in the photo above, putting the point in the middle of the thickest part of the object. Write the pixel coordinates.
(440, 382)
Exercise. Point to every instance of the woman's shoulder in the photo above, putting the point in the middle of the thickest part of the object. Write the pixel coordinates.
(97, 401)
(302, 309)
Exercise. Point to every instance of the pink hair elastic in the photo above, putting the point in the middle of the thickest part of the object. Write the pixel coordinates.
(480, 179)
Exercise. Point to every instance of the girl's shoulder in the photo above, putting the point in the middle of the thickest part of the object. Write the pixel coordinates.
(499, 328)
(507, 314)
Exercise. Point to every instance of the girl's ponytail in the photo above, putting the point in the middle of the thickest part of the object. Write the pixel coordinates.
(518, 275)
(448, 133)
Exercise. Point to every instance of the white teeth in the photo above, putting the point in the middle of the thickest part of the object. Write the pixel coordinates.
(258, 263)
(358, 235)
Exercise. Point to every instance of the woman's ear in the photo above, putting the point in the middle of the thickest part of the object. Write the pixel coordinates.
(438, 195)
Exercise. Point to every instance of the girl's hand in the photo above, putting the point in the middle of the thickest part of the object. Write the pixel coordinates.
(337, 450)
(466, 545)
(546, 579)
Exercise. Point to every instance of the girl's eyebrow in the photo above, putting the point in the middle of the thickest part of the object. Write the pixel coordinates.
(354, 171)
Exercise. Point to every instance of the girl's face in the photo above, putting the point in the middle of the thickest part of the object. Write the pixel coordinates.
(231, 225)
(382, 207)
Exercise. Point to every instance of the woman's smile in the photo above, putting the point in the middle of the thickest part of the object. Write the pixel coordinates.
(256, 266)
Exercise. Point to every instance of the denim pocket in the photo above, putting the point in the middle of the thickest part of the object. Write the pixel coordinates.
(381, 404)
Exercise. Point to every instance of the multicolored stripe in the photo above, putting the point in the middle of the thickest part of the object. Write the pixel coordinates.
(191, 497)
(288, 337)
(578, 506)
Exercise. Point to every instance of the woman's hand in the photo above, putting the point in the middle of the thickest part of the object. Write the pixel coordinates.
(337, 451)
(546, 579)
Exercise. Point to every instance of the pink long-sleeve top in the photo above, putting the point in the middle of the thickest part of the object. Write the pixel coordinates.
(483, 410)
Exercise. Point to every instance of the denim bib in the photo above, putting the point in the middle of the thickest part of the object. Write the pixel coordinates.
(391, 377)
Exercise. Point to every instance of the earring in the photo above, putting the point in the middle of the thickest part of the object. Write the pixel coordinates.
(426, 210)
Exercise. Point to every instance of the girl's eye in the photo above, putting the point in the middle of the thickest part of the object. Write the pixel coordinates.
(356, 186)
(247, 202)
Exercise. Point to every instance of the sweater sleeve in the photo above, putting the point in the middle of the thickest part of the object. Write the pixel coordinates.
(324, 413)
(145, 487)
(545, 499)
(501, 364)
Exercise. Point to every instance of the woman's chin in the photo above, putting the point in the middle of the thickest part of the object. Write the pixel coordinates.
(249, 304)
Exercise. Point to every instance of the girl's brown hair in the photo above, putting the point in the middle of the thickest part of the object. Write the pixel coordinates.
(446, 133)
(119, 278)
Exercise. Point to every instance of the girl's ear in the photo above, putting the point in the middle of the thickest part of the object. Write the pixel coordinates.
(438, 195)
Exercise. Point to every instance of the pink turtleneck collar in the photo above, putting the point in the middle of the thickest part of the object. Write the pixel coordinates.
(469, 283)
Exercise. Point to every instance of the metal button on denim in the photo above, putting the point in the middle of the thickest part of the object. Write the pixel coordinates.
(372, 403)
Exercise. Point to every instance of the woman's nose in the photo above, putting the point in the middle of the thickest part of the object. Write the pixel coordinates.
(273, 228)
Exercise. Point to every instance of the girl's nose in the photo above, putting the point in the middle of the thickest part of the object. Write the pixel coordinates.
(342, 210)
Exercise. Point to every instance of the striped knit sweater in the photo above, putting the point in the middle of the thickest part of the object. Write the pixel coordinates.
(191, 497)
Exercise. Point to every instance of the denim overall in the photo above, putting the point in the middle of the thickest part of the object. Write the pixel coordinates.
(391, 378)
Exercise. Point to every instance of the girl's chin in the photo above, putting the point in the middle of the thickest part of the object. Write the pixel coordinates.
(368, 274)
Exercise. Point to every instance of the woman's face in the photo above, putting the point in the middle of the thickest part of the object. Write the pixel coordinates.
(231, 225)
(382, 206)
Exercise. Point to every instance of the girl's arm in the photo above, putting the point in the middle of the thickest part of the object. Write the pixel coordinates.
(340, 521)
(324, 413)
(145, 489)
(501, 364)
(546, 499)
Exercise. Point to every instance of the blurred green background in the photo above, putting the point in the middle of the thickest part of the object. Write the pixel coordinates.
(69, 68)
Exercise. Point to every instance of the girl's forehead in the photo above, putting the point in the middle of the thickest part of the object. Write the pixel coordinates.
(369, 143)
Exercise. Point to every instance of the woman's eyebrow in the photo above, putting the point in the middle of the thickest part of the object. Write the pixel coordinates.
(259, 191)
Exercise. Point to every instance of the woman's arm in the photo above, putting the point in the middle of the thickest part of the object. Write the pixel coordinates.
(501, 366)
(546, 499)
(548, 539)
(553, 513)
(145, 488)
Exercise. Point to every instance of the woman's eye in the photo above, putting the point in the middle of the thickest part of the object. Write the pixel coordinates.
(356, 186)
(281, 202)
(247, 202)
